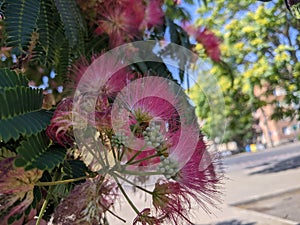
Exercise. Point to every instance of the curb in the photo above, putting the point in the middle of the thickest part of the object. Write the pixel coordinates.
(269, 217)
(263, 197)
(260, 198)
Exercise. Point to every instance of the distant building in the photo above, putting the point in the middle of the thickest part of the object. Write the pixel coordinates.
(274, 132)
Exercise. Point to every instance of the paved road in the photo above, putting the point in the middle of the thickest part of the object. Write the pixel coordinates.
(266, 173)
(286, 205)
(265, 157)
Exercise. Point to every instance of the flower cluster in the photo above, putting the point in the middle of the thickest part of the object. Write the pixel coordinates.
(208, 39)
(145, 132)
(121, 119)
(87, 203)
(124, 20)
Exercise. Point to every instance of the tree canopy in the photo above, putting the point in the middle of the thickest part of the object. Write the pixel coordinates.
(260, 43)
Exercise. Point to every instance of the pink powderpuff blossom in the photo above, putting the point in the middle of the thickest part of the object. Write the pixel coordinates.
(96, 85)
(182, 144)
(208, 39)
(87, 202)
(172, 202)
(125, 20)
(154, 15)
(60, 129)
(143, 101)
(107, 81)
(62, 123)
(200, 176)
(120, 21)
(16, 186)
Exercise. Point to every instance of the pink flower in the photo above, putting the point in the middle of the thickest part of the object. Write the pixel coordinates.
(87, 202)
(102, 79)
(125, 20)
(60, 129)
(208, 39)
(146, 99)
(143, 102)
(98, 87)
(16, 186)
(182, 143)
(120, 20)
(154, 14)
(62, 123)
(199, 175)
(172, 202)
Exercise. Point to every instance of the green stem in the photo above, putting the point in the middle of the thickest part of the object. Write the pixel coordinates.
(51, 183)
(105, 153)
(125, 195)
(44, 206)
(99, 159)
(115, 215)
(130, 182)
(136, 154)
(122, 153)
(142, 173)
(144, 159)
(49, 193)
(114, 154)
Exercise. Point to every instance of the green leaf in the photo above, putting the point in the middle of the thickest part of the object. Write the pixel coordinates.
(26, 124)
(19, 100)
(73, 22)
(51, 33)
(74, 169)
(46, 25)
(20, 111)
(61, 35)
(62, 59)
(20, 20)
(11, 79)
(35, 152)
(6, 153)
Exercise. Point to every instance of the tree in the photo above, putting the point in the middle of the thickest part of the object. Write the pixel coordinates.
(260, 42)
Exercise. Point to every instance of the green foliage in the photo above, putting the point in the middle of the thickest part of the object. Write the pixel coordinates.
(54, 45)
(6, 153)
(50, 29)
(35, 152)
(11, 79)
(19, 105)
(52, 33)
(32, 99)
(70, 169)
(260, 42)
(74, 169)
(73, 23)
(25, 124)
(21, 17)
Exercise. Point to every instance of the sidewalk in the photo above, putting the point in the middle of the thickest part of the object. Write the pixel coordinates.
(242, 188)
